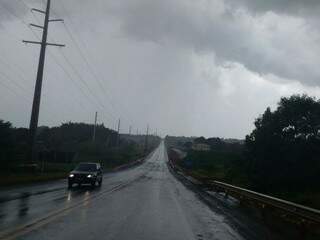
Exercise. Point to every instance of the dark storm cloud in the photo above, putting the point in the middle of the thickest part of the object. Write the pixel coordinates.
(284, 46)
(11, 10)
(185, 67)
(292, 7)
(218, 27)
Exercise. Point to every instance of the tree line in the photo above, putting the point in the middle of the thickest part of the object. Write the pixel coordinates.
(281, 155)
(66, 142)
(283, 150)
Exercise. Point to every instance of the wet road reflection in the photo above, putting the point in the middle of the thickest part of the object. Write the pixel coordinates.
(2, 212)
(23, 205)
(20, 206)
(145, 202)
(149, 204)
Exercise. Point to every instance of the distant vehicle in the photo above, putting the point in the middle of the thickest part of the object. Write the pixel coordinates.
(86, 173)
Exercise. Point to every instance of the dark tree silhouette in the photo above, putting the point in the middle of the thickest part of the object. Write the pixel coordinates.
(6, 144)
(284, 147)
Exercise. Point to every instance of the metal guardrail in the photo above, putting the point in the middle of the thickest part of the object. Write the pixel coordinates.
(302, 213)
(305, 213)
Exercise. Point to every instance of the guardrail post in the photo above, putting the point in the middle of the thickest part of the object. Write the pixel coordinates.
(303, 230)
(226, 194)
(241, 200)
(264, 212)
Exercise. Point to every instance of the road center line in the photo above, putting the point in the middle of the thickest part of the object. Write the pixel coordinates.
(35, 224)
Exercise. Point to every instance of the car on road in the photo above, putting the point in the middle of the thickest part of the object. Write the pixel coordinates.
(86, 173)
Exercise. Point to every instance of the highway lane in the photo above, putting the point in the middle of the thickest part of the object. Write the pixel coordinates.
(25, 204)
(145, 202)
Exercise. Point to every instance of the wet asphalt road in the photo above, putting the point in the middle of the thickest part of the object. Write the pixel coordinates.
(145, 202)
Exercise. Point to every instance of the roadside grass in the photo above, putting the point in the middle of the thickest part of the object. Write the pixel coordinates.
(20, 179)
(217, 165)
(48, 171)
(230, 167)
(306, 198)
(112, 158)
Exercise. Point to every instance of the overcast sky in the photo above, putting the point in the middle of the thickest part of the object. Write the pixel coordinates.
(185, 67)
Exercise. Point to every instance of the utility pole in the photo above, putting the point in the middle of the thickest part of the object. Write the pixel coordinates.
(38, 86)
(118, 138)
(146, 140)
(130, 128)
(94, 127)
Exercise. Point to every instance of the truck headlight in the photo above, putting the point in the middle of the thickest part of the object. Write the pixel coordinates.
(89, 176)
(71, 175)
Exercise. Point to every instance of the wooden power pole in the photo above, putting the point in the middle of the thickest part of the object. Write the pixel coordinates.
(146, 140)
(118, 138)
(94, 127)
(38, 86)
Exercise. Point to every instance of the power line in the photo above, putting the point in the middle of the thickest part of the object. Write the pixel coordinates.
(22, 74)
(22, 21)
(84, 82)
(79, 76)
(14, 82)
(87, 64)
(69, 32)
(13, 14)
(18, 69)
(81, 53)
(65, 71)
(21, 87)
(13, 91)
(8, 87)
(32, 31)
(37, 92)
(52, 55)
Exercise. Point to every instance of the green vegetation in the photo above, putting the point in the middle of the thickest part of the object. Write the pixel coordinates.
(281, 157)
(221, 166)
(59, 149)
(284, 150)
(15, 179)
(110, 157)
